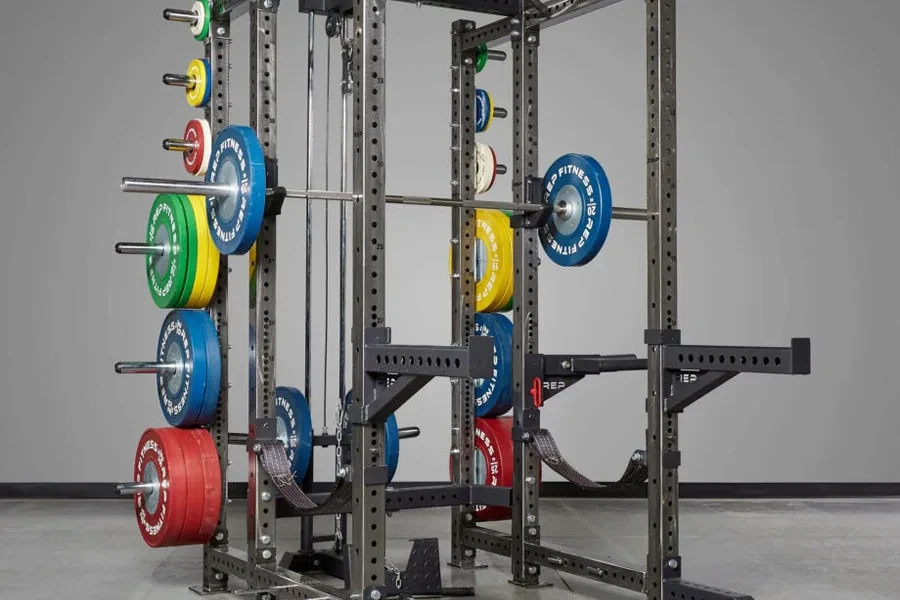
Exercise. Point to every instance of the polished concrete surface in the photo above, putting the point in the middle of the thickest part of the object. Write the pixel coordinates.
(772, 550)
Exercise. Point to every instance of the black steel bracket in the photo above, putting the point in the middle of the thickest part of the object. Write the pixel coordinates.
(548, 375)
(262, 431)
(687, 388)
(679, 588)
(534, 194)
(275, 199)
(698, 370)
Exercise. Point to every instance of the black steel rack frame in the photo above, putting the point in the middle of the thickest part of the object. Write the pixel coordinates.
(678, 374)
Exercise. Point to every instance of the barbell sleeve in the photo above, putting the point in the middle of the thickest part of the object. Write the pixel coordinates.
(172, 186)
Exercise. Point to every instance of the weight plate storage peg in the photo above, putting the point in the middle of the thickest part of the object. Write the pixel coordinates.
(485, 111)
(195, 146)
(197, 17)
(197, 82)
(485, 168)
(579, 191)
(391, 438)
(177, 487)
(294, 429)
(493, 395)
(237, 160)
(187, 349)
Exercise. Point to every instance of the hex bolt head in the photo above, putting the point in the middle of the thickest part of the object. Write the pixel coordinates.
(530, 480)
(469, 517)
(265, 496)
(469, 553)
(532, 570)
(267, 3)
(467, 61)
(531, 519)
(220, 576)
(565, 364)
(673, 564)
(532, 531)
(220, 31)
(532, 39)
(267, 554)
(257, 448)
(470, 26)
(375, 595)
(220, 536)
(265, 539)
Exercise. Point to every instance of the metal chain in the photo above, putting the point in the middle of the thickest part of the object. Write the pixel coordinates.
(390, 566)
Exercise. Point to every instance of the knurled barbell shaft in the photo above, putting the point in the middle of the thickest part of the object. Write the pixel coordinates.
(180, 15)
(202, 188)
(132, 368)
(140, 248)
(177, 145)
(171, 186)
(136, 487)
(179, 80)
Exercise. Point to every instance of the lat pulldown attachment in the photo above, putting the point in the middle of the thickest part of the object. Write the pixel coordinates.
(543, 444)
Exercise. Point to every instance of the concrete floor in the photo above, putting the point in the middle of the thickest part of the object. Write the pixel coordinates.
(772, 550)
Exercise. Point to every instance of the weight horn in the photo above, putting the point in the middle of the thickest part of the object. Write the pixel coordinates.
(196, 81)
(198, 18)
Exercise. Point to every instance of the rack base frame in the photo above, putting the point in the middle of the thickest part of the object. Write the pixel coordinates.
(673, 382)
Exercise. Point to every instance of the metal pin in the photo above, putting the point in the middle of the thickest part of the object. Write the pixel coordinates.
(131, 368)
(176, 145)
(596, 572)
(171, 186)
(496, 55)
(408, 432)
(500, 113)
(178, 80)
(555, 560)
(179, 15)
(501, 169)
(140, 248)
(136, 487)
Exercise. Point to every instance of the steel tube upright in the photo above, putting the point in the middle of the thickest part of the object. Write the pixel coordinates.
(462, 288)
(261, 491)
(367, 449)
(218, 53)
(663, 560)
(526, 524)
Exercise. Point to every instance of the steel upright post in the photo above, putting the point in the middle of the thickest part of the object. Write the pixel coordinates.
(526, 526)
(217, 52)
(462, 288)
(261, 491)
(663, 560)
(216, 113)
(367, 450)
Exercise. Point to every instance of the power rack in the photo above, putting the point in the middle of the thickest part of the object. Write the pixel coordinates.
(386, 375)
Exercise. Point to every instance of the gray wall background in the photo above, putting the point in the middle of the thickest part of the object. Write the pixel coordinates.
(788, 142)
